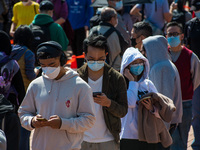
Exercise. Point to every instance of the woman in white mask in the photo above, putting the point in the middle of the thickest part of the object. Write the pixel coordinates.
(23, 14)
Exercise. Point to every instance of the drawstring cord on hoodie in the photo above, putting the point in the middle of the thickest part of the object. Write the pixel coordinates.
(57, 88)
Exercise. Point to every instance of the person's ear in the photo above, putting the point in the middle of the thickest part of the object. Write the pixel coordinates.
(84, 56)
(142, 37)
(182, 36)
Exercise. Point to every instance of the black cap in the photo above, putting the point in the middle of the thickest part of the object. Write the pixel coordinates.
(46, 5)
(50, 49)
(195, 5)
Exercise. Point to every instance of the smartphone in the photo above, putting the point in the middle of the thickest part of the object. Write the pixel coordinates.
(144, 98)
(41, 119)
(96, 93)
(175, 1)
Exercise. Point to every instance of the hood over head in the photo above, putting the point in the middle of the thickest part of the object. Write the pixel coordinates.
(129, 56)
(156, 49)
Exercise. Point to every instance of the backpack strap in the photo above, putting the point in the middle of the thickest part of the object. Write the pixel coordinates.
(35, 9)
(108, 32)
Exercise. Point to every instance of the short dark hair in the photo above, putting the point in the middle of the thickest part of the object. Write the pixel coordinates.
(24, 36)
(107, 13)
(97, 41)
(143, 28)
(170, 24)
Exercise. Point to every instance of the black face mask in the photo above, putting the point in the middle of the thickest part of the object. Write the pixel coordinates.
(133, 42)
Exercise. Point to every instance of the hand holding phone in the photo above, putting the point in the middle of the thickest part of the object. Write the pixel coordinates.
(42, 119)
(96, 93)
(144, 98)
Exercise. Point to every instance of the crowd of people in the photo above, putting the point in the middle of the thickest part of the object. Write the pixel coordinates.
(137, 87)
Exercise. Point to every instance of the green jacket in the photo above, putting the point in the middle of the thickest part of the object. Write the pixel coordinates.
(56, 31)
(114, 87)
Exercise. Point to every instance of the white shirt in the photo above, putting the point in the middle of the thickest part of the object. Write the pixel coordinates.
(99, 132)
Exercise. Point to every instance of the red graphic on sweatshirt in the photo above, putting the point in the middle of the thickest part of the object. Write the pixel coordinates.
(67, 103)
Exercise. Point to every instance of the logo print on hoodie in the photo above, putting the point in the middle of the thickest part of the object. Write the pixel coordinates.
(67, 103)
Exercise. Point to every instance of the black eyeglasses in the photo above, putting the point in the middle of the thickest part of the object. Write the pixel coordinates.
(100, 61)
(173, 34)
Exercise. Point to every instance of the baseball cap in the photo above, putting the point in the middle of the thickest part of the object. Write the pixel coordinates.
(50, 49)
(195, 5)
(46, 5)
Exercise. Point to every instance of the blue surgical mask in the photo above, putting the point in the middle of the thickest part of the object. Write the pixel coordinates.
(197, 14)
(137, 69)
(174, 41)
(118, 5)
(95, 66)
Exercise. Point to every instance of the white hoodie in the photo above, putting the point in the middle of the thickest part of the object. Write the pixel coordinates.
(71, 99)
(135, 91)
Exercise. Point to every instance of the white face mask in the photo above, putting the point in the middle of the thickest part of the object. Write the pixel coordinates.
(26, 3)
(51, 72)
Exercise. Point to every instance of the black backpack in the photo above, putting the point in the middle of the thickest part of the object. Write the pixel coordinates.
(95, 21)
(41, 34)
(179, 17)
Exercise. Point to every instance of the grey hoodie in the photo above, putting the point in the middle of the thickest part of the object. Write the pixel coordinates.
(163, 73)
(71, 99)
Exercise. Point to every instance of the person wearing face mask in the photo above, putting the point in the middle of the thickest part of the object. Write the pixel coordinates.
(135, 67)
(164, 75)
(23, 14)
(110, 96)
(140, 31)
(118, 6)
(189, 76)
(107, 26)
(58, 105)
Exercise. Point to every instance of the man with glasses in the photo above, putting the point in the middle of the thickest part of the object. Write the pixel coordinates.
(109, 95)
(140, 31)
(188, 66)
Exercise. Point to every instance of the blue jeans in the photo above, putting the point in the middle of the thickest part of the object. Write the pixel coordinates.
(24, 139)
(180, 135)
(196, 118)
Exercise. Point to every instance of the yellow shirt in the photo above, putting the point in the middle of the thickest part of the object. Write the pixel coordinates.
(24, 15)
